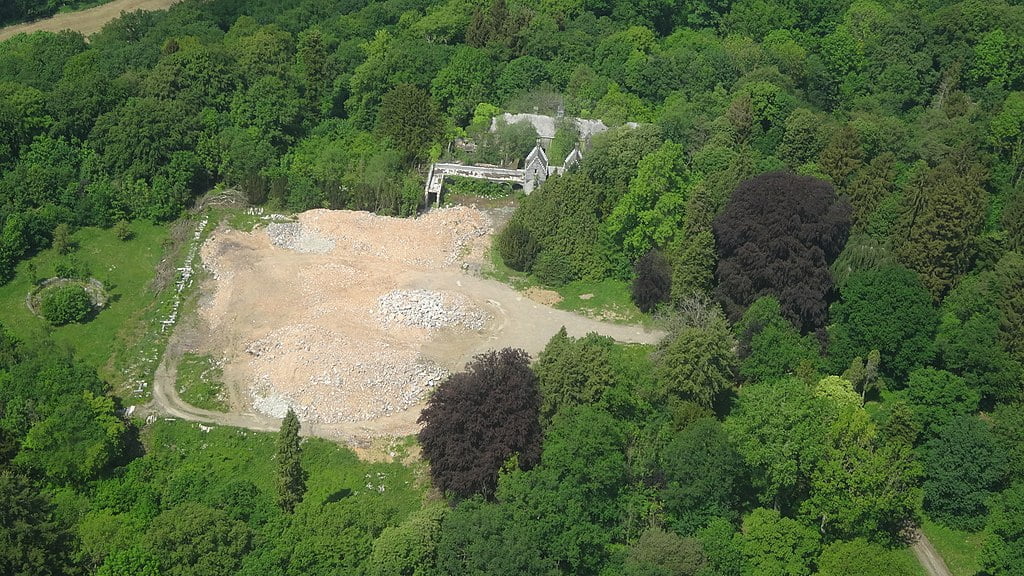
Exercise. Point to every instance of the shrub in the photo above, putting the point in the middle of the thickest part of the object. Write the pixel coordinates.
(652, 283)
(72, 268)
(62, 241)
(65, 304)
(123, 231)
(517, 247)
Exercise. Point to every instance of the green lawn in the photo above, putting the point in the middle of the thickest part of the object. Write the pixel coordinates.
(126, 270)
(959, 549)
(605, 299)
(199, 382)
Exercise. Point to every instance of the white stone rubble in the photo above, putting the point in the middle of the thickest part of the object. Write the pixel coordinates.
(429, 309)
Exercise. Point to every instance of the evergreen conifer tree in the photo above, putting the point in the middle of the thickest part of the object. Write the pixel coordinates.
(291, 478)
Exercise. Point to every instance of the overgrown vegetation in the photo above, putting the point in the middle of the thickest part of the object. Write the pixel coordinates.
(199, 382)
(836, 188)
(64, 304)
(24, 10)
(108, 341)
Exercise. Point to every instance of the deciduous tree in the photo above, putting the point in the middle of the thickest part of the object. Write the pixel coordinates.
(651, 212)
(195, 540)
(665, 554)
(779, 428)
(65, 304)
(774, 545)
(885, 309)
(410, 548)
(860, 557)
(936, 397)
(777, 235)
(476, 420)
(862, 487)
(704, 476)
(1003, 550)
(963, 465)
(467, 80)
(573, 500)
(769, 347)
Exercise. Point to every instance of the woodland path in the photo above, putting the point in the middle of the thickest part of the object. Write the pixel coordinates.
(85, 21)
(928, 556)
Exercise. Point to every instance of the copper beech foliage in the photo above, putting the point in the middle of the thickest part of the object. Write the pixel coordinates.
(777, 236)
(479, 418)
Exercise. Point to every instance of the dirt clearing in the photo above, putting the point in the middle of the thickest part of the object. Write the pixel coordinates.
(86, 21)
(351, 318)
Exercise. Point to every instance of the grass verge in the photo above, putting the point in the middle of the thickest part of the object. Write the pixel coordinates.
(605, 300)
(958, 548)
(497, 270)
(145, 338)
(912, 561)
(199, 382)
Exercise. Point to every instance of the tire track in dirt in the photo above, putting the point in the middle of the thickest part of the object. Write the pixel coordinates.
(928, 556)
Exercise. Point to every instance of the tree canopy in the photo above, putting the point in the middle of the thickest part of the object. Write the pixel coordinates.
(478, 419)
(843, 178)
(777, 236)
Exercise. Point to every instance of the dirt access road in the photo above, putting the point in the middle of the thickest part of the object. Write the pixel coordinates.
(86, 21)
(928, 556)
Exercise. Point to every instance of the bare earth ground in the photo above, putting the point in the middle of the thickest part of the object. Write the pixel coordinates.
(351, 318)
(86, 21)
(928, 556)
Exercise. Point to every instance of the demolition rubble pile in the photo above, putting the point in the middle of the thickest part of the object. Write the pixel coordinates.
(429, 309)
(314, 315)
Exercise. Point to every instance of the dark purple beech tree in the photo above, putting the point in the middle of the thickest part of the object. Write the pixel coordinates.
(477, 419)
(777, 236)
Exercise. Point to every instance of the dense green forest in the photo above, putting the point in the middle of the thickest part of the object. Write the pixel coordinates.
(823, 202)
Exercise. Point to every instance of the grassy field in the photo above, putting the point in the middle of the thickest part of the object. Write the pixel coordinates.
(126, 270)
(145, 339)
(959, 549)
(605, 299)
(180, 453)
(126, 339)
(199, 382)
